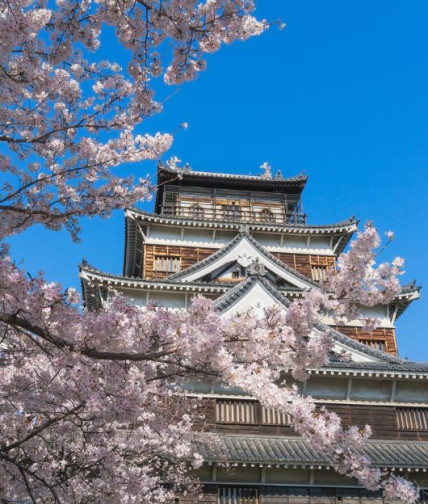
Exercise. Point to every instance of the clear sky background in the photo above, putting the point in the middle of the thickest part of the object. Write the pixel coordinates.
(340, 93)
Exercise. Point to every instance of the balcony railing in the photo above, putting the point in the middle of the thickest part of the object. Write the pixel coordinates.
(234, 213)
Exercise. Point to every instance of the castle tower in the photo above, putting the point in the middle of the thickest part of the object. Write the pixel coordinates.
(243, 241)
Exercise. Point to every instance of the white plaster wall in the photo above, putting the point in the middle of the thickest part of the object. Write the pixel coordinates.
(371, 389)
(164, 232)
(327, 387)
(411, 391)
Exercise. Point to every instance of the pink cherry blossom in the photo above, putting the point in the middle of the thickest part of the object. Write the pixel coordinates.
(57, 99)
(91, 403)
(91, 400)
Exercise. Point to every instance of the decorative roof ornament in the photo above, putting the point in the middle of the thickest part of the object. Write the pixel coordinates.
(256, 268)
(267, 172)
(172, 163)
(244, 228)
(244, 259)
(279, 175)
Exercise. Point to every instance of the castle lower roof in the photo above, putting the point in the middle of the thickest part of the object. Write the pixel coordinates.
(293, 451)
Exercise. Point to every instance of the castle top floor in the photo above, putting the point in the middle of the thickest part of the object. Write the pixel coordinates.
(230, 197)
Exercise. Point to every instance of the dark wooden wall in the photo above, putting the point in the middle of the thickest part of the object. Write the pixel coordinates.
(191, 255)
(303, 262)
(382, 419)
(188, 255)
(305, 495)
(382, 334)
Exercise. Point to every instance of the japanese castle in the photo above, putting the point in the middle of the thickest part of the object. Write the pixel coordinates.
(243, 241)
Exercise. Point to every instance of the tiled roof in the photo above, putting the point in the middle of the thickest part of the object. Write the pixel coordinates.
(183, 172)
(231, 296)
(296, 451)
(348, 225)
(387, 361)
(399, 366)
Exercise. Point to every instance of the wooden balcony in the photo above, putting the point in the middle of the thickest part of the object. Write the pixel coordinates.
(234, 213)
(224, 205)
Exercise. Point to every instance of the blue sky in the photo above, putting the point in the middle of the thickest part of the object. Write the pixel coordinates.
(340, 93)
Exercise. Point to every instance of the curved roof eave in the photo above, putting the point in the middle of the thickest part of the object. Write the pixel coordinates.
(346, 226)
(89, 273)
(284, 450)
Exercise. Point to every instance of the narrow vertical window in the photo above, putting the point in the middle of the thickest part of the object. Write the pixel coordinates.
(271, 416)
(374, 343)
(166, 264)
(412, 419)
(235, 411)
(238, 495)
(319, 272)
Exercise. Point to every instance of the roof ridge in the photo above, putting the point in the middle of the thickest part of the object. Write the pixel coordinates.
(187, 171)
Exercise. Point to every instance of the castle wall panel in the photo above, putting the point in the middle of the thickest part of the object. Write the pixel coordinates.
(303, 263)
(382, 419)
(304, 494)
(384, 335)
(187, 256)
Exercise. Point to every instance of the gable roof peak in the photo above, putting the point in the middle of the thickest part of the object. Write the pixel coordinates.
(245, 245)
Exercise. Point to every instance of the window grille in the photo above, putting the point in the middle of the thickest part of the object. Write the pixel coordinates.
(319, 272)
(271, 416)
(238, 495)
(236, 411)
(412, 419)
(267, 216)
(166, 264)
(377, 344)
(232, 411)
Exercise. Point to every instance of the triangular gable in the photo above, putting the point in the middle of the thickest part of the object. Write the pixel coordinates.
(257, 292)
(254, 292)
(245, 249)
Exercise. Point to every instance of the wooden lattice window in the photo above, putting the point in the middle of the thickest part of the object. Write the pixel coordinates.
(267, 215)
(412, 419)
(241, 411)
(320, 266)
(271, 416)
(166, 264)
(235, 411)
(238, 495)
(319, 272)
(374, 343)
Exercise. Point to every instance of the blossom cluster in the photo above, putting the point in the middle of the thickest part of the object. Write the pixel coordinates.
(68, 118)
(92, 405)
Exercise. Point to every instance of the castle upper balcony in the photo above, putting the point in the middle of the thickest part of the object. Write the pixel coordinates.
(226, 197)
(214, 204)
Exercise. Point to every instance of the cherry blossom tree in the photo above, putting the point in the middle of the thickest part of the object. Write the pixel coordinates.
(91, 406)
(58, 99)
